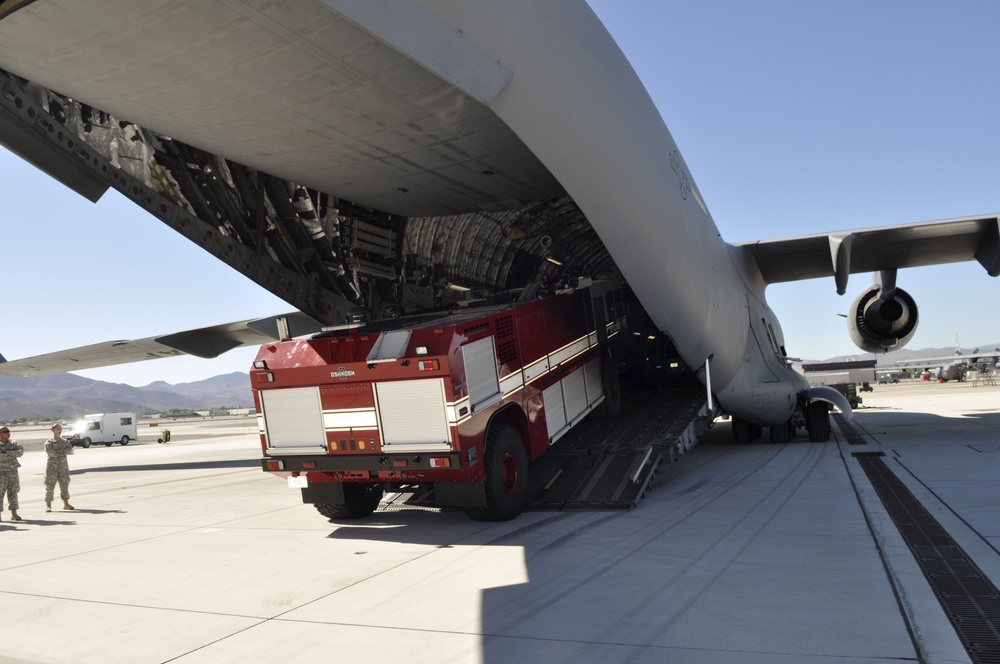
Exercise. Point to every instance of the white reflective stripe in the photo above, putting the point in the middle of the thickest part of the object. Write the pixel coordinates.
(570, 351)
(512, 383)
(535, 369)
(350, 418)
(260, 424)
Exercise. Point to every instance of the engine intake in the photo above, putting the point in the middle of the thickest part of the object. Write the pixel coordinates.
(882, 320)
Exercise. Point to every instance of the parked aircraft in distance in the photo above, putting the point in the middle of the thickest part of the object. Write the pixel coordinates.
(954, 367)
(372, 158)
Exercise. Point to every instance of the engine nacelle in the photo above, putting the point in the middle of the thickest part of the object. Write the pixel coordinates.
(878, 323)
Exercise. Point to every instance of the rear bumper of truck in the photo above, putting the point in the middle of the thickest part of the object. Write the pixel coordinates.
(360, 463)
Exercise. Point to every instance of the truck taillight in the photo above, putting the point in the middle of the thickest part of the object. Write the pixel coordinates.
(276, 464)
(429, 365)
(265, 377)
(440, 462)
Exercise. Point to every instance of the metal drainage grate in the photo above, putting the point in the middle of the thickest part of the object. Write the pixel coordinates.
(848, 431)
(968, 597)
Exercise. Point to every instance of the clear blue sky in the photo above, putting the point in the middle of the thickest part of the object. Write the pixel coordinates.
(794, 118)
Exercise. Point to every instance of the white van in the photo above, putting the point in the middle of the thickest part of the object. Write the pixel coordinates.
(107, 428)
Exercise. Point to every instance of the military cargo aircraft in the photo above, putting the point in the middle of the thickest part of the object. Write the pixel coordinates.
(365, 159)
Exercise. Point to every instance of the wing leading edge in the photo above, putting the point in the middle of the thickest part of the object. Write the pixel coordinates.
(206, 342)
(882, 248)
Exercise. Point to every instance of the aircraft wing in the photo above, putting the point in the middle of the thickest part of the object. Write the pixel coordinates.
(881, 248)
(206, 342)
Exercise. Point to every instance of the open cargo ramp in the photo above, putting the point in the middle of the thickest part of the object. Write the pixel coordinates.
(608, 464)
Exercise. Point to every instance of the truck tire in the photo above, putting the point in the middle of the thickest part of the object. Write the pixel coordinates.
(109, 443)
(125, 440)
(506, 484)
(360, 500)
(85, 443)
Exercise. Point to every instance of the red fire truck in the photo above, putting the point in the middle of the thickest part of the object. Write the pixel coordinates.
(458, 402)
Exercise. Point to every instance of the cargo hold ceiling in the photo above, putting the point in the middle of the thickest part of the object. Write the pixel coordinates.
(329, 256)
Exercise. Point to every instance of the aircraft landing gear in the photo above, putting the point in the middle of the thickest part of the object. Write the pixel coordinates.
(782, 433)
(818, 421)
(743, 432)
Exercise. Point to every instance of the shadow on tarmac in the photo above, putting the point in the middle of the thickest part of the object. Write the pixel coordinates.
(6, 525)
(193, 465)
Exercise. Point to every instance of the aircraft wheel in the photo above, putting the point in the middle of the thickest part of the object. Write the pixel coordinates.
(360, 500)
(506, 476)
(85, 443)
(743, 432)
(781, 433)
(818, 421)
(125, 440)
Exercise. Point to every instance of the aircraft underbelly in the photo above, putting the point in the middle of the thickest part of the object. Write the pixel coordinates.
(292, 89)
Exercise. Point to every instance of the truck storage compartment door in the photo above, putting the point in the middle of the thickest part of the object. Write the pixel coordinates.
(568, 400)
(293, 421)
(412, 415)
(481, 373)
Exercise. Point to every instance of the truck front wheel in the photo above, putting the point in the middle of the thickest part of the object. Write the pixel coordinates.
(360, 500)
(85, 443)
(506, 476)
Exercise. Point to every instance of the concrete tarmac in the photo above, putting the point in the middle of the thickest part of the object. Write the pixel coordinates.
(757, 553)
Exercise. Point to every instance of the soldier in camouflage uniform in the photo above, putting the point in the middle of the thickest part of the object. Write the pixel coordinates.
(57, 467)
(9, 482)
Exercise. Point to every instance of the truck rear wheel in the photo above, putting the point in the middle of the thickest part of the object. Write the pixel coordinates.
(360, 500)
(125, 440)
(506, 476)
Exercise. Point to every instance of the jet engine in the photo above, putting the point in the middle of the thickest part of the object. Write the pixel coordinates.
(882, 318)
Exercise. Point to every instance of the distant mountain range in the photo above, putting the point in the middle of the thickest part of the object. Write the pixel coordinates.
(69, 395)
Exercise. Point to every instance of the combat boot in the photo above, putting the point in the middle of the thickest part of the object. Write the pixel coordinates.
(67, 506)
(14, 516)
(48, 505)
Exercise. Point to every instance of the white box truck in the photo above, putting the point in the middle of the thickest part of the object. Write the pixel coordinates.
(107, 428)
